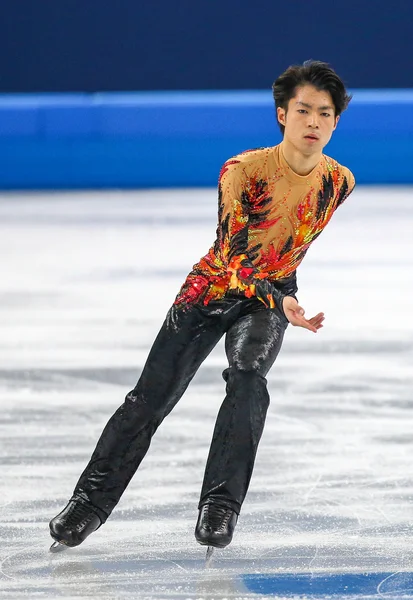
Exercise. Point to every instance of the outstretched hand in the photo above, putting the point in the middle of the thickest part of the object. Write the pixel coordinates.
(295, 314)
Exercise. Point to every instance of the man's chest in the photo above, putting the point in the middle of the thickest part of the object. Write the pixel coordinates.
(280, 201)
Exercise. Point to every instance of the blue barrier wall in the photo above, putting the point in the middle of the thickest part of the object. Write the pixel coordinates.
(181, 139)
(97, 45)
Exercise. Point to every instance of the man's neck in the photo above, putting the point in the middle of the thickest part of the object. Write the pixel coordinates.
(298, 162)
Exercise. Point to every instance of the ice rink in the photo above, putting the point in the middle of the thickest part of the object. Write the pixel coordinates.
(86, 280)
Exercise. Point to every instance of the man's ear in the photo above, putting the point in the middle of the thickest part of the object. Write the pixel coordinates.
(336, 123)
(281, 115)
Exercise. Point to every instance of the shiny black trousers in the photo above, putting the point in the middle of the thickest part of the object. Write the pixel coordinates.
(253, 339)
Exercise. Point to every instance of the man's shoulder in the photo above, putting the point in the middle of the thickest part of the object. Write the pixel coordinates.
(339, 172)
(254, 155)
(248, 158)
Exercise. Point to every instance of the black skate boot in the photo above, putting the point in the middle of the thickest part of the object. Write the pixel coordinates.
(215, 526)
(72, 526)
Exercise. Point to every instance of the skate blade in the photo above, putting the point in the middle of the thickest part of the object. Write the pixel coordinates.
(209, 554)
(57, 547)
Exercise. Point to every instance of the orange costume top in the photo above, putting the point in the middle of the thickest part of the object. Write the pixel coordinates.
(268, 218)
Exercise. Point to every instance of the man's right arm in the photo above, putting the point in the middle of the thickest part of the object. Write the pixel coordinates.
(234, 212)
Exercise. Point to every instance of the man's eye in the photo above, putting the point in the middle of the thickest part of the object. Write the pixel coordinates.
(302, 110)
(325, 114)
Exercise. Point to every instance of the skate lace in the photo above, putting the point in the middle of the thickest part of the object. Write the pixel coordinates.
(78, 514)
(217, 517)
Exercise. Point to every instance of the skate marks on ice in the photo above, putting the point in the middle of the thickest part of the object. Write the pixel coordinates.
(332, 493)
(93, 573)
(157, 556)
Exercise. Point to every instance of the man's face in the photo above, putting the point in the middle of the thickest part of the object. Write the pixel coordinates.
(309, 121)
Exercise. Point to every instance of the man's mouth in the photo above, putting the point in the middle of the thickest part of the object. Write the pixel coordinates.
(311, 136)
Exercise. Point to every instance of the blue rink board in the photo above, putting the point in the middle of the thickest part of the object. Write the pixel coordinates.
(174, 139)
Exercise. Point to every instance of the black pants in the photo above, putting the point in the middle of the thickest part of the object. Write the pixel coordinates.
(254, 336)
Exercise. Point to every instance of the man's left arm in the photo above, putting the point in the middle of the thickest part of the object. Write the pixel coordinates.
(347, 186)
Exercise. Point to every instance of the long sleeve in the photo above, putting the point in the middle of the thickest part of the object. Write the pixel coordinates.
(347, 186)
(268, 218)
(243, 203)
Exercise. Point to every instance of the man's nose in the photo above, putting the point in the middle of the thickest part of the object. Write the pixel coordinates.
(313, 120)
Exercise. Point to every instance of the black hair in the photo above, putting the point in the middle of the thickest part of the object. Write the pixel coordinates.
(311, 72)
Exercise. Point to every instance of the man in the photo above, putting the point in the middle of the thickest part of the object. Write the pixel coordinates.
(273, 203)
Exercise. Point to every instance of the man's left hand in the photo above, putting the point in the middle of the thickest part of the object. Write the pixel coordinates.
(295, 314)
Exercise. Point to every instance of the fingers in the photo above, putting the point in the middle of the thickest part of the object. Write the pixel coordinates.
(318, 317)
(317, 321)
(307, 325)
(299, 321)
(313, 324)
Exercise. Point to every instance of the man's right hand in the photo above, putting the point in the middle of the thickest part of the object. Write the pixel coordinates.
(295, 315)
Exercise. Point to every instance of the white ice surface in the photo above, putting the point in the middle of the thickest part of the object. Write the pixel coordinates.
(86, 280)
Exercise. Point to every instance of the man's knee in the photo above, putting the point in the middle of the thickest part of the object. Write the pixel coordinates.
(236, 375)
(247, 387)
(136, 406)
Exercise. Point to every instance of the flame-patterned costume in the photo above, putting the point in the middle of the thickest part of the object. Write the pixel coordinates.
(268, 218)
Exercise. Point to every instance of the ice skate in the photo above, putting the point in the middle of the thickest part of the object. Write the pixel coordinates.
(215, 527)
(209, 555)
(57, 547)
(72, 526)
